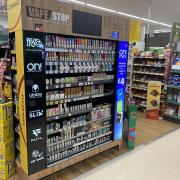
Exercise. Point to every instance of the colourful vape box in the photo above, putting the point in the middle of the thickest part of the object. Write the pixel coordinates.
(7, 147)
(7, 166)
(6, 132)
(6, 114)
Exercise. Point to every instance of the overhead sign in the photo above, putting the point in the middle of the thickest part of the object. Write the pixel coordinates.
(120, 89)
(45, 14)
(134, 30)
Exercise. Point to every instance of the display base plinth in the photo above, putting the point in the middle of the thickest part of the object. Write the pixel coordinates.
(70, 161)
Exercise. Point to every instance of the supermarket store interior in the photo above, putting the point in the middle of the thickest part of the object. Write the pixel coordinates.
(89, 89)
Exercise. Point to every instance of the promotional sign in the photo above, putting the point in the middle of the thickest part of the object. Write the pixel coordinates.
(134, 30)
(34, 68)
(153, 100)
(120, 89)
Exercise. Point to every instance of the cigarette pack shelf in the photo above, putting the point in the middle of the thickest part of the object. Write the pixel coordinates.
(149, 66)
(172, 112)
(80, 83)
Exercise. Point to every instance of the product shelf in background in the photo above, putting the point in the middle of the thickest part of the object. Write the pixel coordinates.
(175, 71)
(151, 58)
(146, 65)
(138, 96)
(171, 117)
(174, 87)
(148, 73)
(173, 102)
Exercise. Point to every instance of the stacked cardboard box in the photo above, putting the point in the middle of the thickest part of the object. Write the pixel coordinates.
(7, 152)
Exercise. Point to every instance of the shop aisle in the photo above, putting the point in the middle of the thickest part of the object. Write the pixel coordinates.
(147, 131)
(157, 160)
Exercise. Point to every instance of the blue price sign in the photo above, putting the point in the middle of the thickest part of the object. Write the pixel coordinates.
(120, 89)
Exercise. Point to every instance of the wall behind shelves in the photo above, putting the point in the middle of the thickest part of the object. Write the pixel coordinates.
(110, 22)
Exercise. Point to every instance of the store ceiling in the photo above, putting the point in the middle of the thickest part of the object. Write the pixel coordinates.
(166, 11)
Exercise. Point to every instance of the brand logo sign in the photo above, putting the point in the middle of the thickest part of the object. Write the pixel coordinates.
(36, 114)
(35, 92)
(120, 89)
(45, 14)
(37, 156)
(36, 135)
(34, 43)
(34, 67)
(123, 54)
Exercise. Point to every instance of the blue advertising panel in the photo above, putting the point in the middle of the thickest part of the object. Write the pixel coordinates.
(120, 89)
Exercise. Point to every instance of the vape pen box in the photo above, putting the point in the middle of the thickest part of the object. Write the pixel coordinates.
(6, 115)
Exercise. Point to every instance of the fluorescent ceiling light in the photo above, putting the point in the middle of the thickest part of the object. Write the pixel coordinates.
(156, 22)
(120, 13)
(162, 31)
(78, 2)
(128, 15)
(101, 8)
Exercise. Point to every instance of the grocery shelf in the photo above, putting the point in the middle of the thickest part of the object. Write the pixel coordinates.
(7, 77)
(142, 97)
(152, 58)
(171, 117)
(13, 68)
(13, 51)
(154, 74)
(175, 71)
(173, 102)
(146, 65)
(174, 87)
(140, 88)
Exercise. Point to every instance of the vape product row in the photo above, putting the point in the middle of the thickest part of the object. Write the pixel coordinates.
(65, 109)
(58, 140)
(56, 41)
(84, 80)
(74, 92)
(101, 111)
(74, 150)
(81, 124)
(80, 56)
(77, 67)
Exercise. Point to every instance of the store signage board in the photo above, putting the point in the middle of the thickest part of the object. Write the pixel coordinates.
(153, 100)
(34, 68)
(120, 89)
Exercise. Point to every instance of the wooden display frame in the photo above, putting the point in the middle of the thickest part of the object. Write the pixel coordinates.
(66, 163)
